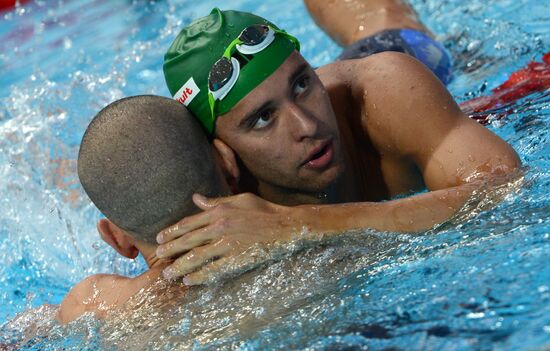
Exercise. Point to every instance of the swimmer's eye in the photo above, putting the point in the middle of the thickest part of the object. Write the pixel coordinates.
(261, 119)
(301, 85)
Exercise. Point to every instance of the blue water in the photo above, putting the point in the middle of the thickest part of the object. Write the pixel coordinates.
(480, 282)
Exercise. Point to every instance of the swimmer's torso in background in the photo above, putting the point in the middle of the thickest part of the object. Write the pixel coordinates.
(408, 41)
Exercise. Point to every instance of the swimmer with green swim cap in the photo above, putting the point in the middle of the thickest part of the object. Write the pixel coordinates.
(220, 58)
(320, 152)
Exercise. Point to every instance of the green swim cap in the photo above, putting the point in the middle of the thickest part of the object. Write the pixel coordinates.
(197, 47)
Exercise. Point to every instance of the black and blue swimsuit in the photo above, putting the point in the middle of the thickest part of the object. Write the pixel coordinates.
(409, 41)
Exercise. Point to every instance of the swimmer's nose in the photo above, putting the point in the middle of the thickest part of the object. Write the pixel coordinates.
(302, 124)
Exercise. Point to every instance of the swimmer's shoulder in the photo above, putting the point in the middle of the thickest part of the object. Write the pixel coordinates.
(378, 70)
(397, 96)
(96, 294)
(103, 293)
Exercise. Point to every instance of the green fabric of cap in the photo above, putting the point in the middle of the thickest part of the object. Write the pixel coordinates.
(198, 46)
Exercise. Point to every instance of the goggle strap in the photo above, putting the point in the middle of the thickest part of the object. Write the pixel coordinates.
(211, 102)
(227, 53)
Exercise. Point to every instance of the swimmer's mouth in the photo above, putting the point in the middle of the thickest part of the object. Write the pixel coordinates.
(321, 156)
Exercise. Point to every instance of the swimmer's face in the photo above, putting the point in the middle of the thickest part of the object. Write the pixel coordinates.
(285, 131)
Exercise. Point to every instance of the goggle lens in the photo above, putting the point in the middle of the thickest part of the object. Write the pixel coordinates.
(254, 35)
(220, 74)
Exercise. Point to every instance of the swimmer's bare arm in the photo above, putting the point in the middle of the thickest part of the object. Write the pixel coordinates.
(409, 116)
(230, 226)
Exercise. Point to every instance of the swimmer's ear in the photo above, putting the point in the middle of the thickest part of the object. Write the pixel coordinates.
(228, 164)
(117, 238)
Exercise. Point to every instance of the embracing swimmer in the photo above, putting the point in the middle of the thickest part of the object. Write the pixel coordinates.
(140, 161)
(339, 139)
(322, 151)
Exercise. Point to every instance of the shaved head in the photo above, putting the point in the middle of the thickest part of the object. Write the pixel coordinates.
(140, 161)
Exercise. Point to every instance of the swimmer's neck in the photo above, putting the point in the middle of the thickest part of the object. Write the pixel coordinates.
(149, 253)
(342, 190)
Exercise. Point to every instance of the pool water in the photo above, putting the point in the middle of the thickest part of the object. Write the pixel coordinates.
(480, 282)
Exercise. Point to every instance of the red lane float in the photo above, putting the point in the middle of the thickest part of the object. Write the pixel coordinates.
(533, 78)
(8, 4)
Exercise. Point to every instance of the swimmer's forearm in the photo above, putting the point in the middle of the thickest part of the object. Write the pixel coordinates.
(229, 226)
(412, 214)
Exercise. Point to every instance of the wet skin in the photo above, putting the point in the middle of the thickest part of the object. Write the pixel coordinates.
(104, 294)
(392, 128)
(296, 147)
(286, 136)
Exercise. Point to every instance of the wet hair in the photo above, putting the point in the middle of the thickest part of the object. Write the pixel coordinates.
(140, 161)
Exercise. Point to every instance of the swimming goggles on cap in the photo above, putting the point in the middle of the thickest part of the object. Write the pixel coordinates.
(224, 73)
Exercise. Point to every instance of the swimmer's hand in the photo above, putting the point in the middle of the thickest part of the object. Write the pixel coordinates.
(227, 227)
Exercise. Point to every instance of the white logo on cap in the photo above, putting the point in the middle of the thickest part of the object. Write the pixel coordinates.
(187, 92)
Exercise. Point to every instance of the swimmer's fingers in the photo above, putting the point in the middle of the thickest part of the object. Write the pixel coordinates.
(184, 226)
(194, 259)
(215, 208)
(189, 241)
